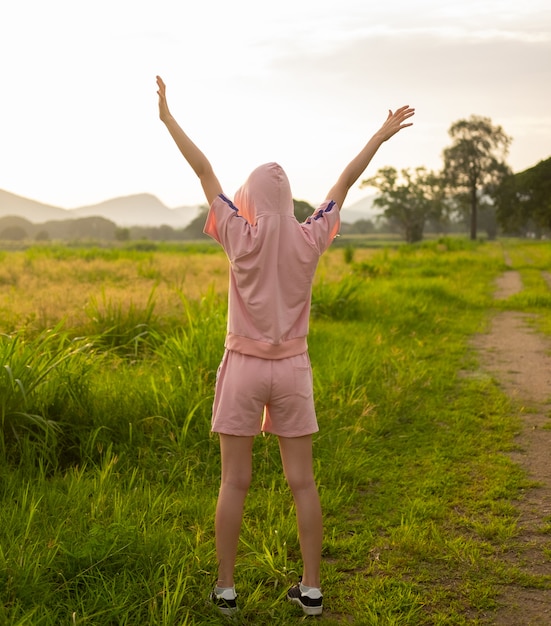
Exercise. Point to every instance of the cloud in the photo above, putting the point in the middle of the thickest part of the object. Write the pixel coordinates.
(506, 78)
(443, 66)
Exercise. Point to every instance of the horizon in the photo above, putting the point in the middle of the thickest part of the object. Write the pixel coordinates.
(366, 196)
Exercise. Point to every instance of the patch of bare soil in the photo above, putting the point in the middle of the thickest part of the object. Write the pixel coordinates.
(519, 359)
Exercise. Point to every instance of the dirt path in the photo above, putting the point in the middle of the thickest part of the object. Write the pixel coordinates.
(519, 359)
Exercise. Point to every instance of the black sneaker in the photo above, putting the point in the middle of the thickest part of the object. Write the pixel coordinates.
(226, 607)
(310, 606)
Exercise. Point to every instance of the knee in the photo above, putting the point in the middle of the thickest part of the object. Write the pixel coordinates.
(300, 482)
(237, 481)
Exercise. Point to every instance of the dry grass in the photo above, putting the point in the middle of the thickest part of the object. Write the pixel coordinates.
(40, 289)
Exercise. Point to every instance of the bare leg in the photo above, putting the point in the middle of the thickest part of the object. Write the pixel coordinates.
(236, 454)
(296, 456)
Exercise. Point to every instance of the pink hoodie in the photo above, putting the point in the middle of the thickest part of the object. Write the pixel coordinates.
(273, 259)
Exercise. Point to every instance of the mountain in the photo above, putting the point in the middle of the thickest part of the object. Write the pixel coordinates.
(33, 211)
(361, 210)
(136, 210)
(139, 210)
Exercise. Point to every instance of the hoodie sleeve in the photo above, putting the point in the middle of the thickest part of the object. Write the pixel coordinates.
(226, 226)
(322, 226)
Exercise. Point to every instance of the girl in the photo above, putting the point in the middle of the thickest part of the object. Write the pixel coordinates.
(264, 383)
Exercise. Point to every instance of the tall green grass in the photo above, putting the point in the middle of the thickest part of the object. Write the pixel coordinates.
(108, 483)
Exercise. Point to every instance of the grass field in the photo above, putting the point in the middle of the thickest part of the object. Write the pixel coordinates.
(109, 474)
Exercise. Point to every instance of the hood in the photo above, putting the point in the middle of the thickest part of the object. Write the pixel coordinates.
(266, 192)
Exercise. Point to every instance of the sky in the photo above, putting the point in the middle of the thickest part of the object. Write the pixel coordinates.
(301, 82)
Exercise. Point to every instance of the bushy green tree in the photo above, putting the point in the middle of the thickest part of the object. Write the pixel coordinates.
(409, 198)
(194, 230)
(523, 200)
(474, 165)
(302, 210)
(122, 234)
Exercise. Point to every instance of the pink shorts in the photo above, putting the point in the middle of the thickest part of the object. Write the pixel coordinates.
(256, 395)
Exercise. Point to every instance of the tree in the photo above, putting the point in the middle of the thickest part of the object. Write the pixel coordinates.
(122, 234)
(42, 235)
(523, 200)
(474, 165)
(409, 198)
(14, 233)
(194, 230)
(302, 210)
(363, 227)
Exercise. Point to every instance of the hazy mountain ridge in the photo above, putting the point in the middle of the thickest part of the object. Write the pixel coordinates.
(135, 210)
(361, 210)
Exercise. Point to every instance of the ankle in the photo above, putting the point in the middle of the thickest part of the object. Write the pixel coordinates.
(311, 592)
(225, 583)
(313, 582)
(227, 593)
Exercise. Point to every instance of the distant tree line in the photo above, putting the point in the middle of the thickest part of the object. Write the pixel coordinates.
(17, 229)
(14, 228)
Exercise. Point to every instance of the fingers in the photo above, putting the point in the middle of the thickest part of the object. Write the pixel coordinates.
(405, 112)
(397, 121)
(161, 92)
(402, 114)
(161, 85)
